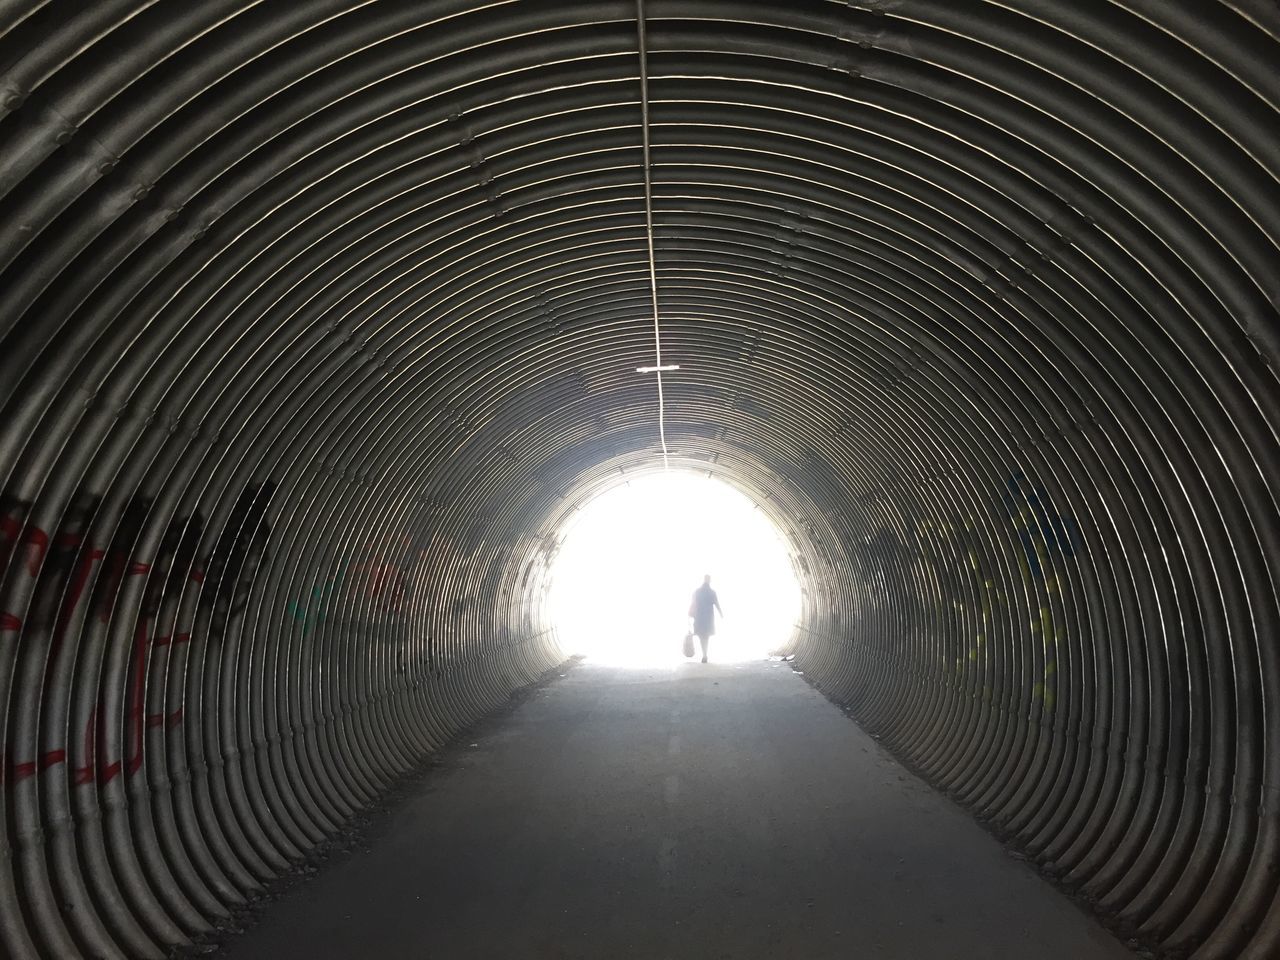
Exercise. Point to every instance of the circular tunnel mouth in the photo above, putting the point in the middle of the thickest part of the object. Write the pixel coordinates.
(630, 558)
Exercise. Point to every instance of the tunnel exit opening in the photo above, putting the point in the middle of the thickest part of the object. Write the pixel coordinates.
(630, 560)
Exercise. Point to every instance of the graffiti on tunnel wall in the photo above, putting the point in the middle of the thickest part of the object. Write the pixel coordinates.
(949, 566)
(1050, 539)
(76, 580)
(1047, 535)
(388, 576)
(373, 582)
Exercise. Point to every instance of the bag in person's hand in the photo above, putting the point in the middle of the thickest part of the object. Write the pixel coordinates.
(688, 644)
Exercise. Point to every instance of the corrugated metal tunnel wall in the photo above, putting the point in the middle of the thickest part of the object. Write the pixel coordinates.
(319, 316)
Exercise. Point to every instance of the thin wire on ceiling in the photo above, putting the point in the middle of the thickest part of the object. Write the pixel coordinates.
(657, 369)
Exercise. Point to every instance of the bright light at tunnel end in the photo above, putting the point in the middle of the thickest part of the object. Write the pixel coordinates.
(630, 560)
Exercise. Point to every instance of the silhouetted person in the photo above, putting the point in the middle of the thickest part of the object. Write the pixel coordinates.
(703, 609)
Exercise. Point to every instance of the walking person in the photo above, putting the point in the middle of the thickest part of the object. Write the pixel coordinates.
(703, 610)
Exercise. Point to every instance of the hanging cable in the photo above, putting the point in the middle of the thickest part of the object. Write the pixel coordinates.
(657, 368)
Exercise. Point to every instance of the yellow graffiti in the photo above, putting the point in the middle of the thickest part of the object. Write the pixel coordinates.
(1050, 631)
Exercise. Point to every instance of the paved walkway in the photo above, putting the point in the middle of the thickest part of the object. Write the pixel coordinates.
(687, 813)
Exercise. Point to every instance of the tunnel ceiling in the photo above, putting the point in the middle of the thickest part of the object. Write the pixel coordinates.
(318, 317)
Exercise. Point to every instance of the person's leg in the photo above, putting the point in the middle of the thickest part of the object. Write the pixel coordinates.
(704, 640)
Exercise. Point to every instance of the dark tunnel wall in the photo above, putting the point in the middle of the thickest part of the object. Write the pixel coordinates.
(318, 316)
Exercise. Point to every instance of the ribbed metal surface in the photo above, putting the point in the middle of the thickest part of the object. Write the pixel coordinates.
(318, 317)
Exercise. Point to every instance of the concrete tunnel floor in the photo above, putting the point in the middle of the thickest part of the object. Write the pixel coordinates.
(717, 811)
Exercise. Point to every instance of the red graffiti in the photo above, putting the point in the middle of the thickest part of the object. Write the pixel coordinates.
(13, 772)
(88, 773)
(118, 567)
(75, 578)
(166, 720)
(13, 533)
(137, 721)
(79, 580)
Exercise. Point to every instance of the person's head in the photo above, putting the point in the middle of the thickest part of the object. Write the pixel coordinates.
(706, 581)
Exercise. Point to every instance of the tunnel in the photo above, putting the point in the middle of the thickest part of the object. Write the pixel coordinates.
(320, 319)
